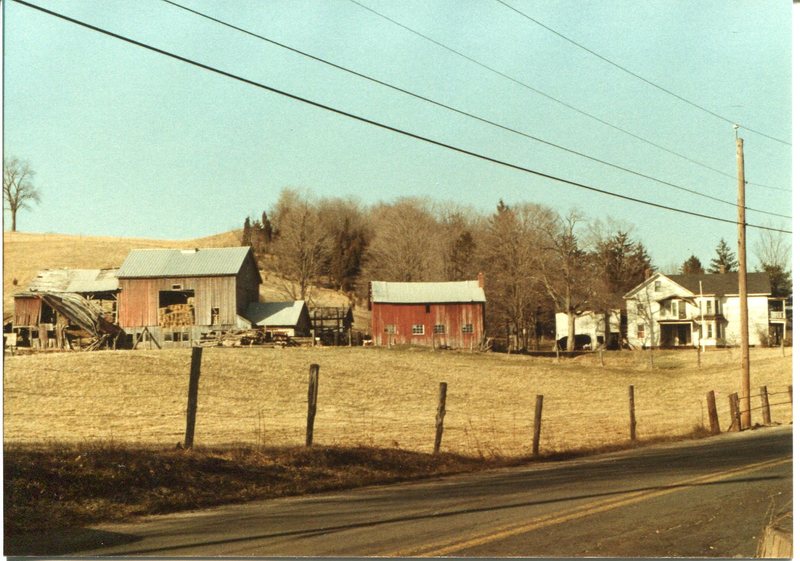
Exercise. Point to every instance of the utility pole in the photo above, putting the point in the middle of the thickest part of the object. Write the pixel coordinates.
(745, 324)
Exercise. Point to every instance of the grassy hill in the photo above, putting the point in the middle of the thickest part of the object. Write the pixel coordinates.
(25, 254)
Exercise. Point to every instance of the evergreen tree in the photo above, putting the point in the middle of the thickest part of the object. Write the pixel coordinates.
(247, 232)
(725, 261)
(692, 266)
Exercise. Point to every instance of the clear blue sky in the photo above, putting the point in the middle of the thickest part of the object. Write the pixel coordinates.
(126, 142)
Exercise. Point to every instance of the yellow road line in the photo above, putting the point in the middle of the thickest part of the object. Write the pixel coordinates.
(448, 547)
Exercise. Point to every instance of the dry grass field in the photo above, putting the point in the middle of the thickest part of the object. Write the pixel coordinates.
(370, 396)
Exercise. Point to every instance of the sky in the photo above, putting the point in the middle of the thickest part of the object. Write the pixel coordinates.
(128, 142)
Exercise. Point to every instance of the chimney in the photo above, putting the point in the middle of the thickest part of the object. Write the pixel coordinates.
(480, 280)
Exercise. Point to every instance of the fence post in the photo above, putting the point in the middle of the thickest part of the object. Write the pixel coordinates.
(313, 386)
(440, 417)
(537, 424)
(191, 408)
(713, 418)
(632, 407)
(790, 395)
(765, 406)
(736, 421)
(698, 356)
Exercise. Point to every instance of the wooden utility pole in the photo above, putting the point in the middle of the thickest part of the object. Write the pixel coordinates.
(745, 324)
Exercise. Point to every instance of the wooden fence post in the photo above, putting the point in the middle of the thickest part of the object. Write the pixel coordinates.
(191, 408)
(313, 387)
(632, 407)
(440, 417)
(765, 406)
(713, 418)
(736, 421)
(699, 365)
(790, 395)
(537, 424)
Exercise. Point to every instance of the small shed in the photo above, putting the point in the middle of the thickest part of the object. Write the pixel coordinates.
(435, 314)
(280, 318)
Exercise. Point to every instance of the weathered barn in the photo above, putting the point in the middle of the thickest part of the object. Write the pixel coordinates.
(63, 308)
(289, 319)
(435, 314)
(172, 296)
(333, 325)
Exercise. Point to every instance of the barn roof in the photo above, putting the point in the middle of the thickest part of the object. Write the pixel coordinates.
(204, 262)
(75, 280)
(727, 283)
(426, 292)
(275, 314)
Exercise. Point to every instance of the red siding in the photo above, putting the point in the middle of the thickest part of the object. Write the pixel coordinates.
(453, 316)
(26, 311)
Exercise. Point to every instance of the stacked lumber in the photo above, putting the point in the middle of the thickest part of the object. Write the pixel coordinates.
(176, 315)
(233, 338)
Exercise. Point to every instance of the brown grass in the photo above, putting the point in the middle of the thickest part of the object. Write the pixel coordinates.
(69, 486)
(374, 397)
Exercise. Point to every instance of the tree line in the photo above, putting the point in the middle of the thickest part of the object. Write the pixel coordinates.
(535, 261)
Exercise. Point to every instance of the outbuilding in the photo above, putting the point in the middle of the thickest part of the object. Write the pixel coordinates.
(434, 314)
(172, 296)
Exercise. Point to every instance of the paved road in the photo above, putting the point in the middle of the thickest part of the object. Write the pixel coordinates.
(702, 498)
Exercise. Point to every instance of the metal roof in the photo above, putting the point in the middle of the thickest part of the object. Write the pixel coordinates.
(203, 262)
(426, 292)
(275, 314)
(727, 283)
(75, 280)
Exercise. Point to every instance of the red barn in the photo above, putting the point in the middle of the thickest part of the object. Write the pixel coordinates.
(435, 314)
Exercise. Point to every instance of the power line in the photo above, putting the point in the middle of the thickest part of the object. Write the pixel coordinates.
(459, 111)
(640, 77)
(379, 124)
(555, 99)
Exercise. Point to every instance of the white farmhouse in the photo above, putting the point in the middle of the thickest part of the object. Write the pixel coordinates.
(702, 310)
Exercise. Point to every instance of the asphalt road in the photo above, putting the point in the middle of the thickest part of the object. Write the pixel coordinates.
(711, 497)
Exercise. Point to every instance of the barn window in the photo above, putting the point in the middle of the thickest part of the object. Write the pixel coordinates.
(467, 328)
(418, 329)
(391, 329)
(438, 328)
(177, 287)
(214, 316)
(427, 308)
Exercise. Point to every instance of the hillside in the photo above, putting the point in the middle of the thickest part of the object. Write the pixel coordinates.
(24, 254)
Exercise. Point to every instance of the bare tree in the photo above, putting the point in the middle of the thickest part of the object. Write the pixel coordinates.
(405, 243)
(774, 252)
(18, 188)
(563, 267)
(302, 246)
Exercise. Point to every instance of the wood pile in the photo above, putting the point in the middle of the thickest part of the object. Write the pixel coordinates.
(233, 338)
(176, 315)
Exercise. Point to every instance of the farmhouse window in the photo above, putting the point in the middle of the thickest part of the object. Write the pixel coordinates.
(657, 286)
(438, 328)
(640, 331)
(418, 329)
(467, 328)
(391, 329)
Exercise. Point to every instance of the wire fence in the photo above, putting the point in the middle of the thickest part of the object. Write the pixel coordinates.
(235, 410)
